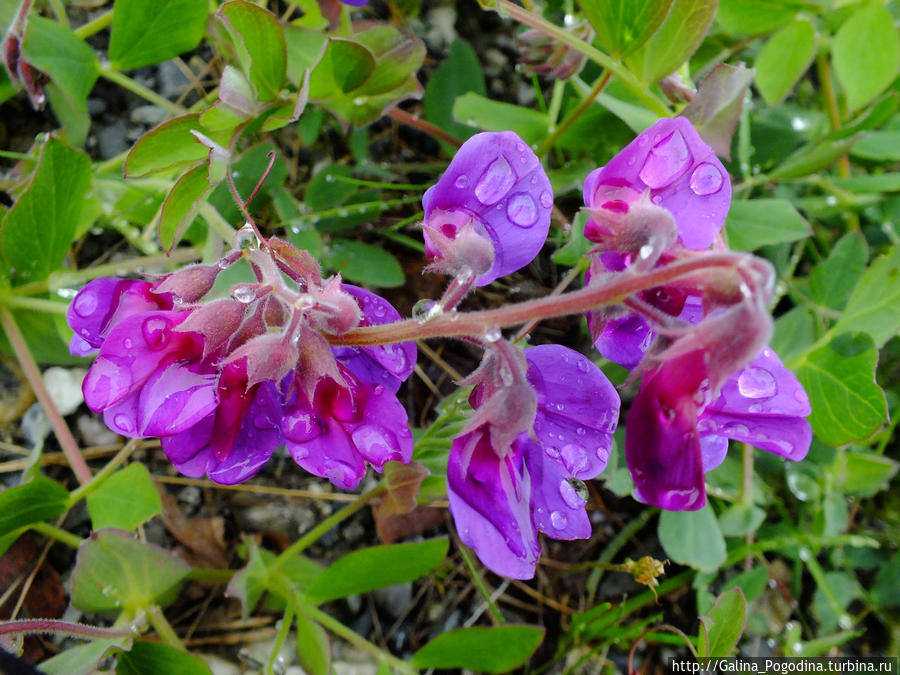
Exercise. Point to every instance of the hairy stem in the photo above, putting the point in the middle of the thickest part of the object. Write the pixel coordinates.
(33, 374)
(56, 626)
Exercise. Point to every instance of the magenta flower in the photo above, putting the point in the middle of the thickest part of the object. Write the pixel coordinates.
(225, 382)
(501, 497)
(675, 434)
(490, 210)
(681, 173)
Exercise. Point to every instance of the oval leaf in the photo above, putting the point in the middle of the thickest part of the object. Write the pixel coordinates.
(692, 538)
(487, 650)
(259, 41)
(784, 59)
(151, 31)
(182, 205)
(866, 53)
(622, 27)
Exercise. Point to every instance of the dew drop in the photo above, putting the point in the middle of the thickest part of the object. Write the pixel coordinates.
(244, 294)
(124, 423)
(128, 343)
(329, 178)
(801, 397)
(495, 182)
(574, 458)
(493, 335)
(461, 181)
(373, 442)
(667, 160)
(85, 303)
(552, 452)
(156, 332)
(522, 210)
(734, 429)
(706, 179)
(581, 431)
(583, 365)
(559, 520)
(756, 383)
(303, 426)
(573, 492)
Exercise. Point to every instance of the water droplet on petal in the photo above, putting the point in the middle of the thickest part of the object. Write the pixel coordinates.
(156, 332)
(574, 458)
(801, 397)
(667, 160)
(302, 426)
(546, 199)
(552, 452)
(757, 383)
(461, 181)
(495, 182)
(573, 492)
(734, 429)
(425, 310)
(581, 431)
(128, 343)
(706, 179)
(85, 303)
(559, 520)
(373, 442)
(124, 423)
(522, 210)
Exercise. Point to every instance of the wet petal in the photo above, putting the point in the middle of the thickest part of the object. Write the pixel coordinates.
(383, 435)
(662, 446)
(786, 436)
(557, 499)
(624, 340)
(175, 398)
(490, 503)
(330, 455)
(496, 179)
(681, 171)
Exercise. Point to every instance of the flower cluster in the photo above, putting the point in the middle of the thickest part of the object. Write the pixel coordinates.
(224, 381)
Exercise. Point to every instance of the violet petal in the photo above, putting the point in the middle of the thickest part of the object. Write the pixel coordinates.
(499, 181)
(681, 171)
(556, 506)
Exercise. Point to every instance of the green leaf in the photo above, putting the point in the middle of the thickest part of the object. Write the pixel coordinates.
(577, 246)
(866, 53)
(723, 624)
(43, 333)
(740, 519)
(866, 473)
(377, 567)
(872, 306)
(847, 404)
(37, 500)
(831, 281)
(717, 106)
(151, 31)
(155, 658)
(246, 171)
(83, 659)
(115, 573)
(460, 73)
(784, 59)
(251, 581)
(752, 582)
(814, 157)
(259, 41)
(364, 263)
(72, 115)
(304, 49)
(483, 113)
(795, 331)
(50, 205)
(65, 58)
(313, 650)
(621, 26)
(675, 41)
(182, 205)
(168, 145)
(125, 499)
(488, 650)
(875, 182)
(842, 590)
(879, 146)
(886, 591)
(692, 538)
(760, 222)
(751, 17)
(344, 67)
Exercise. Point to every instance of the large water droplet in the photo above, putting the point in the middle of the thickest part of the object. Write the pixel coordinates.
(302, 426)
(573, 492)
(801, 397)
(85, 303)
(495, 182)
(734, 429)
(667, 160)
(244, 293)
(559, 520)
(756, 383)
(425, 310)
(493, 335)
(552, 452)
(124, 423)
(574, 458)
(706, 179)
(373, 442)
(156, 332)
(461, 181)
(522, 210)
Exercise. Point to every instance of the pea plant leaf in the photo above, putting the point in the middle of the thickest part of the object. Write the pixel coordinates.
(145, 32)
(623, 26)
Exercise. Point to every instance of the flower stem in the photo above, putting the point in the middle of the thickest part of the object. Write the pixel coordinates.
(615, 67)
(163, 628)
(57, 533)
(334, 519)
(38, 304)
(113, 75)
(33, 375)
(65, 627)
(479, 584)
(104, 473)
(571, 118)
(454, 324)
(422, 125)
(95, 26)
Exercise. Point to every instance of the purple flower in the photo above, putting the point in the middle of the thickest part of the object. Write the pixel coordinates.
(675, 435)
(225, 382)
(502, 496)
(490, 210)
(682, 174)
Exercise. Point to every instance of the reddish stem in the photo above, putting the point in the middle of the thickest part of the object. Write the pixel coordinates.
(423, 125)
(56, 626)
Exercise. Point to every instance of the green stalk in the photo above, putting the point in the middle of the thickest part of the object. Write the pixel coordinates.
(479, 583)
(57, 533)
(334, 519)
(95, 26)
(104, 473)
(113, 75)
(163, 628)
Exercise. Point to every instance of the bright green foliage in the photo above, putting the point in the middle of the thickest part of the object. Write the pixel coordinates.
(37, 500)
(259, 42)
(624, 25)
(478, 111)
(723, 624)
(784, 59)
(153, 658)
(168, 145)
(364, 263)
(459, 74)
(751, 17)
(866, 53)
(487, 650)
(125, 500)
(872, 307)
(692, 538)
(831, 282)
(50, 205)
(182, 205)
(83, 659)
(313, 650)
(116, 573)
(759, 222)
(377, 567)
(151, 31)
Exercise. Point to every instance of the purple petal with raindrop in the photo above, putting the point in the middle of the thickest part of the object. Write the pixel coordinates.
(498, 180)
